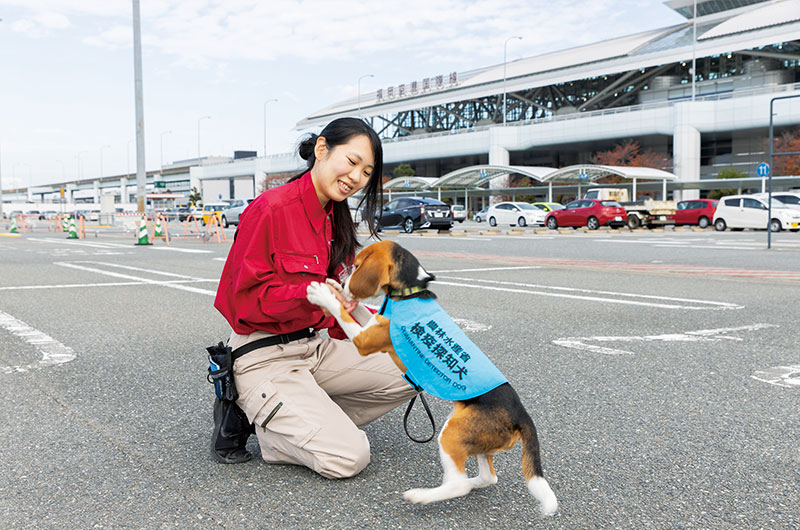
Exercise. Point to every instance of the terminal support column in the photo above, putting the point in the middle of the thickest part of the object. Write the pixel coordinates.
(686, 148)
(498, 156)
(123, 190)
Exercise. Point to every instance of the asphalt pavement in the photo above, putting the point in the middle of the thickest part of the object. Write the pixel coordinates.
(661, 369)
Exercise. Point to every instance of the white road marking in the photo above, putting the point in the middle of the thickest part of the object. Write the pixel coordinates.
(171, 285)
(491, 269)
(85, 243)
(53, 352)
(703, 335)
(666, 302)
(786, 376)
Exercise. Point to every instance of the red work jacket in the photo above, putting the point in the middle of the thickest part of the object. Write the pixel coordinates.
(282, 244)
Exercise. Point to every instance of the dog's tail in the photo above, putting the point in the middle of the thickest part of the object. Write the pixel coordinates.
(532, 469)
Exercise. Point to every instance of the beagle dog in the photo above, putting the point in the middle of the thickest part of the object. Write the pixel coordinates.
(483, 422)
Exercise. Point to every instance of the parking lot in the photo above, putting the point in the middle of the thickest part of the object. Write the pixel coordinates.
(661, 369)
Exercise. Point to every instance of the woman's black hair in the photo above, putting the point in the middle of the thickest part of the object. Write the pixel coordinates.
(345, 239)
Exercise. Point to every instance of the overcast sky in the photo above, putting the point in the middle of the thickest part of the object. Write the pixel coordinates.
(66, 68)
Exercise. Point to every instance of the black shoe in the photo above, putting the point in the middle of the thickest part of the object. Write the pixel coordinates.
(231, 431)
(235, 456)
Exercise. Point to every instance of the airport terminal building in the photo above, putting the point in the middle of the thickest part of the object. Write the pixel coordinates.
(559, 109)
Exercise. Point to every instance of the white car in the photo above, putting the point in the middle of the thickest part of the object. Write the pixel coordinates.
(749, 211)
(230, 215)
(790, 199)
(515, 213)
(459, 212)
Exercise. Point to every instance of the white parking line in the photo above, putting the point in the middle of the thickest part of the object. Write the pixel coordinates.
(53, 352)
(490, 269)
(703, 335)
(171, 285)
(786, 376)
(84, 243)
(615, 297)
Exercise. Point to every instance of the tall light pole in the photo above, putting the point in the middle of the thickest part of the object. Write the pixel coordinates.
(198, 135)
(141, 170)
(694, 47)
(162, 146)
(505, 49)
(359, 91)
(265, 123)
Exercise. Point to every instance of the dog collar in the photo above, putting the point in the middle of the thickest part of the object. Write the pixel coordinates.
(407, 291)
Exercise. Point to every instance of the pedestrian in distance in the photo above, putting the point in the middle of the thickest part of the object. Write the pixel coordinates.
(305, 396)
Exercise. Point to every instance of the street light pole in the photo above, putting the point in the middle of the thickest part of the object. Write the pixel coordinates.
(162, 146)
(265, 123)
(198, 135)
(505, 49)
(694, 47)
(359, 91)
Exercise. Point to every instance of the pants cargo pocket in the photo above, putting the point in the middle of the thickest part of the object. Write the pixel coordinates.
(274, 415)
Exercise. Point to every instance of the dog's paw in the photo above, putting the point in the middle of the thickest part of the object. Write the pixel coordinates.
(418, 495)
(319, 294)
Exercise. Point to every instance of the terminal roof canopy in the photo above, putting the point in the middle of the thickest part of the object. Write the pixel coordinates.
(475, 176)
(410, 183)
(591, 173)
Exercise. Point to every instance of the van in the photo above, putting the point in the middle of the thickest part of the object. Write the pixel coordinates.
(749, 211)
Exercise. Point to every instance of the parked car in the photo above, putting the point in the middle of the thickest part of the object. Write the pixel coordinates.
(515, 213)
(210, 209)
(548, 206)
(790, 199)
(481, 215)
(415, 213)
(459, 212)
(698, 212)
(591, 213)
(748, 211)
(183, 213)
(48, 214)
(230, 215)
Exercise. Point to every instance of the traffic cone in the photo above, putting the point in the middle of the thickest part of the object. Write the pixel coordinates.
(159, 231)
(14, 225)
(73, 232)
(143, 239)
(64, 223)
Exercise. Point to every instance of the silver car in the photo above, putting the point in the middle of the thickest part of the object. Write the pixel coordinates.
(230, 215)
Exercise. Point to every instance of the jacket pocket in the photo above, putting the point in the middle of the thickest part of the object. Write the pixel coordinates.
(271, 413)
(301, 264)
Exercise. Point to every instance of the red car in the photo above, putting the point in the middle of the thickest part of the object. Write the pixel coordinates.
(590, 213)
(695, 212)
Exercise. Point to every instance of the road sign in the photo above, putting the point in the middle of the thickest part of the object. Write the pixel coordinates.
(762, 170)
(159, 184)
(583, 176)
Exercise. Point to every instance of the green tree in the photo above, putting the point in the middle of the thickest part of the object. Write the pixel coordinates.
(727, 173)
(404, 170)
(194, 196)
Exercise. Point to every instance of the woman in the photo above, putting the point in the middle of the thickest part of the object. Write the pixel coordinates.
(306, 396)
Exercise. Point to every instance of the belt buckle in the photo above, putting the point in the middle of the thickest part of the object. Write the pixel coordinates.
(284, 338)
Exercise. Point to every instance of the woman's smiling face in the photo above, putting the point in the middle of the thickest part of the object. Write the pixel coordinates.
(340, 172)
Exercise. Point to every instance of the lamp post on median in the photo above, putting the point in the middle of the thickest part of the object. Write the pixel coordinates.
(265, 123)
(359, 91)
(198, 135)
(505, 49)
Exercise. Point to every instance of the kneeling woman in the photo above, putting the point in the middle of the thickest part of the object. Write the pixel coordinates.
(307, 397)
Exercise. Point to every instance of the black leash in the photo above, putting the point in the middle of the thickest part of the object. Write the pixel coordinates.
(430, 416)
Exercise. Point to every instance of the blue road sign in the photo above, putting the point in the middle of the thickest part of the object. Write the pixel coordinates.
(583, 176)
(763, 169)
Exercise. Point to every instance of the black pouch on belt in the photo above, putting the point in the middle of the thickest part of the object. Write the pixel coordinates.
(220, 372)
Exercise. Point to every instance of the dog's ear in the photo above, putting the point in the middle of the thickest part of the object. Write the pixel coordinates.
(372, 274)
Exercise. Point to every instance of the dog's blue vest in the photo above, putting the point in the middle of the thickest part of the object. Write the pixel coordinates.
(439, 357)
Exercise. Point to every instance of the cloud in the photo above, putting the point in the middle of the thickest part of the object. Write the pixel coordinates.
(200, 33)
(41, 23)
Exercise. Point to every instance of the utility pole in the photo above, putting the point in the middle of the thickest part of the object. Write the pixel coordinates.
(141, 172)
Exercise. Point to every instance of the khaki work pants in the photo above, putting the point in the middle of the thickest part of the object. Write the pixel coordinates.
(309, 398)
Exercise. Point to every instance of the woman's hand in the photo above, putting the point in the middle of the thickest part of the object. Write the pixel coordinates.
(338, 291)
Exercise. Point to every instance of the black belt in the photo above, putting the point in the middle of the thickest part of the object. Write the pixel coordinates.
(286, 338)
